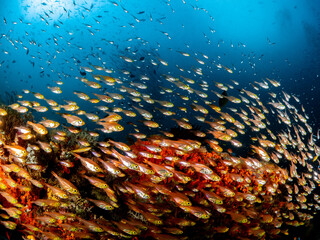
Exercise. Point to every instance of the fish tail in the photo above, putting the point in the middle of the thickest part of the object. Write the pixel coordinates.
(61, 114)
(115, 152)
(54, 174)
(76, 155)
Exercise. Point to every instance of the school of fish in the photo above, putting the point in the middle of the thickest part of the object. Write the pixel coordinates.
(219, 160)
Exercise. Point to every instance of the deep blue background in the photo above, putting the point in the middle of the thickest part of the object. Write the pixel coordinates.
(281, 41)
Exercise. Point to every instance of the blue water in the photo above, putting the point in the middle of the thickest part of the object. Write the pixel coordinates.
(256, 39)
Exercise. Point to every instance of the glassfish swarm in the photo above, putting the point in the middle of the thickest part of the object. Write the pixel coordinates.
(208, 160)
(166, 187)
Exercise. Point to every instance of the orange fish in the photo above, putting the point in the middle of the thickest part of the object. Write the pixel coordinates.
(9, 197)
(89, 164)
(65, 184)
(212, 197)
(196, 211)
(17, 151)
(111, 168)
(179, 198)
(38, 128)
(45, 146)
(120, 145)
(73, 120)
(127, 228)
(237, 217)
(101, 204)
(225, 191)
(161, 170)
(58, 192)
(139, 190)
(125, 160)
(9, 225)
(91, 225)
(98, 183)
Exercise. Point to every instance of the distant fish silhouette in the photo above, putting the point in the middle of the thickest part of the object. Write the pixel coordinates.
(83, 73)
(223, 101)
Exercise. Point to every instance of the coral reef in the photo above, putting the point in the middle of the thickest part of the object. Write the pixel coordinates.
(161, 188)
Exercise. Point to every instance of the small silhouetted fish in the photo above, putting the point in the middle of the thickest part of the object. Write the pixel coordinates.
(42, 72)
(83, 73)
(223, 101)
(78, 61)
(154, 71)
(132, 76)
(44, 4)
(141, 12)
(27, 51)
(14, 61)
(142, 58)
